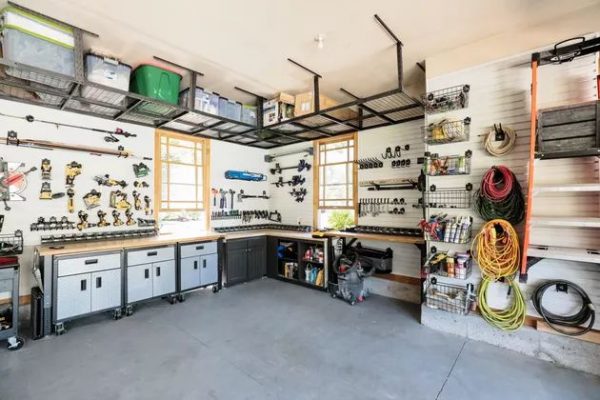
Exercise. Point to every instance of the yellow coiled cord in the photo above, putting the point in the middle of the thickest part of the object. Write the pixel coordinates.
(509, 319)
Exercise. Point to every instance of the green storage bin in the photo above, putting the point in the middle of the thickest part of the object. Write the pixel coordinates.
(156, 82)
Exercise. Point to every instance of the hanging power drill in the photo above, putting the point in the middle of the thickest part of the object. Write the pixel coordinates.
(102, 222)
(71, 171)
(117, 218)
(130, 220)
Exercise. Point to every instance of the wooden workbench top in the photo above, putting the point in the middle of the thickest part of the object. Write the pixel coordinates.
(109, 245)
(375, 236)
(165, 239)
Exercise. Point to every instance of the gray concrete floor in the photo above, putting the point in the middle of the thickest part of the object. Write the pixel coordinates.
(273, 340)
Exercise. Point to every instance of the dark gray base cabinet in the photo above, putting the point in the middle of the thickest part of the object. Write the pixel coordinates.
(246, 260)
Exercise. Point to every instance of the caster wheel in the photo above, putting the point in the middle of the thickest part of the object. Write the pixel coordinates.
(215, 289)
(353, 302)
(172, 299)
(181, 297)
(129, 311)
(15, 343)
(333, 296)
(117, 314)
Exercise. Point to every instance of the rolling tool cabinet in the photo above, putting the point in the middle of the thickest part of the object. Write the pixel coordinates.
(84, 285)
(9, 282)
(199, 267)
(150, 273)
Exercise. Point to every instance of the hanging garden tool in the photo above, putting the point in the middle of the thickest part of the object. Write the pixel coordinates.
(245, 176)
(141, 170)
(12, 140)
(112, 135)
(72, 170)
(301, 166)
(46, 169)
(270, 157)
(106, 180)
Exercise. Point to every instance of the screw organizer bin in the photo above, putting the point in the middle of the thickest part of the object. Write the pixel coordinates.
(448, 197)
(435, 165)
(230, 109)
(450, 298)
(448, 99)
(447, 131)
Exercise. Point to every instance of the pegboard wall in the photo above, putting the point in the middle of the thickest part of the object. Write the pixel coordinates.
(500, 93)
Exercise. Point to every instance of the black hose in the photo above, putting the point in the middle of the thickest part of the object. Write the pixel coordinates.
(574, 320)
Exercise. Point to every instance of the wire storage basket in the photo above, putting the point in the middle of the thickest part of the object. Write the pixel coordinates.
(447, 131)
(448, 197)
(436, 165)
(457, 266)
(448, 99)
(11, 244)
(451, 298)
(443, 228)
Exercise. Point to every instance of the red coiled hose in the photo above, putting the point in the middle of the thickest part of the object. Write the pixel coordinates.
(497, 183)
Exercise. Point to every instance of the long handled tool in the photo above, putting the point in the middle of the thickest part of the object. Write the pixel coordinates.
(111, 134)
(12, 140)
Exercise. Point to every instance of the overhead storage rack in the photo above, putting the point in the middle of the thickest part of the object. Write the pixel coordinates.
(37, 86)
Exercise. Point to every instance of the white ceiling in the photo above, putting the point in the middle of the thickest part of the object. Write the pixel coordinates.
(246, 43)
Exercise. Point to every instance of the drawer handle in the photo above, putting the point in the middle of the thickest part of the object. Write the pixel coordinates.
(152, 253)
(204, 263)
(98, 282)
(146, 273)
(195, 264)
(157, 271)
(94, 261)
(199, 247)
(83, 285)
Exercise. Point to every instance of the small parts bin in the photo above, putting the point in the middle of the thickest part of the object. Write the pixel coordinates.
(156, 82)
(230, 109)
(107, 72)
(204, 100)
(38, 42)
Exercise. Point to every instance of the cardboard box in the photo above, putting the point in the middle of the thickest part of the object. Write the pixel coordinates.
(286, 98)
(305, 105)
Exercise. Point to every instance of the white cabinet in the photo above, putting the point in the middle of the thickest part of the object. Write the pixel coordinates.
(190, 272)
(139, 282)
(106, 289)
(153, 276)
(73, 296)
(163, 281)
(199, 265)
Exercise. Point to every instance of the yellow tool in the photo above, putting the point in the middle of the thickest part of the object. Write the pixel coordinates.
(137, 202)
(46, 169)
(102, 222)
(92, 199)
(119, 201)
(117, 218)
(147, 209)
(70, 200)
(83, 220)
(71, 171)
(130, 220)
(45, 191)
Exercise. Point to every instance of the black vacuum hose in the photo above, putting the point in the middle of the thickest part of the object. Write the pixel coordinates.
(585, 313)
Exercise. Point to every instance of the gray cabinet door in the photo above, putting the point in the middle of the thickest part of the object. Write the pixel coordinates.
(210, 269)
(139, 283)
(257, 258)
(190, 272)
(163, 280)
(237, 262)
(106, 289)
(73, 296)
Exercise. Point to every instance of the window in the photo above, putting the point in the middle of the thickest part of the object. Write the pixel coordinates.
(181, 175)
(335, 178)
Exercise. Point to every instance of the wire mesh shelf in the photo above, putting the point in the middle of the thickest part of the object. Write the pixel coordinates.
(457, 266)
(448, 99)
(436, 165)
(448, 197)
(11, 244)
(451, 298)
(447, 131)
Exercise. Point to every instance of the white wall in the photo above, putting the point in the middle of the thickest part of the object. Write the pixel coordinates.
(500, 93)
(23, 213)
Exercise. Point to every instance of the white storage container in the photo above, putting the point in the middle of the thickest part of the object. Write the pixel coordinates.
(205, 100)
(107, 72)
(249, 114)
(230, 109)
(35, 25)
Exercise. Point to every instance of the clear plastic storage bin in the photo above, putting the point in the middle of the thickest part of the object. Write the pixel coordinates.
(230, 109)
(205, 100)
(107, 72)
(249, 114)
(26, 49)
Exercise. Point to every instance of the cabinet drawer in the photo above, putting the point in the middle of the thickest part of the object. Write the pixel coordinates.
(198, 249)
(148, 256)
(88, 263)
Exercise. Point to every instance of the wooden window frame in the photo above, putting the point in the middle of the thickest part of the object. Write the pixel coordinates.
(316, 181)
(160, 133)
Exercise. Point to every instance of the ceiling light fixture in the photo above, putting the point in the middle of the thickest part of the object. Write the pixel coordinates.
(320, 39)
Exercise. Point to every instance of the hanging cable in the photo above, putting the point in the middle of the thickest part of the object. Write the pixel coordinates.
(509, 319)
(585, 313)
(506, 145)
(496, 249)
(500, 196)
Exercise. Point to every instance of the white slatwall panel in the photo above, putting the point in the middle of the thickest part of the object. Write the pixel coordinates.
(500, 92)
(292, 212)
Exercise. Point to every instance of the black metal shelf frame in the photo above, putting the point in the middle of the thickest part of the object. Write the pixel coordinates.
(382, 109)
